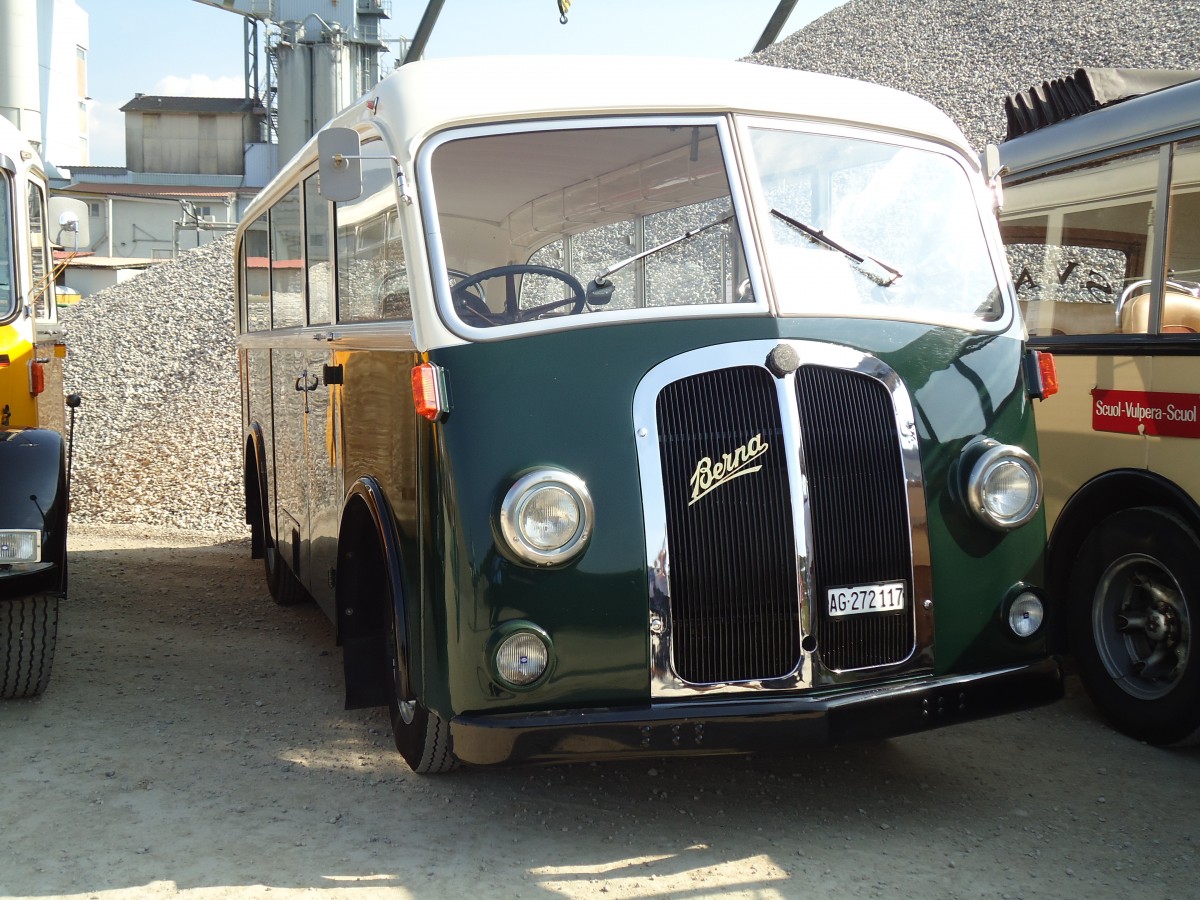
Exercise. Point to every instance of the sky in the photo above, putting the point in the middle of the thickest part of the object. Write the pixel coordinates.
(189, 49)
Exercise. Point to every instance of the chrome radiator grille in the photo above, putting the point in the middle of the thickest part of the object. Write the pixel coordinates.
(731, 527)
(859, 512)
(733, 564)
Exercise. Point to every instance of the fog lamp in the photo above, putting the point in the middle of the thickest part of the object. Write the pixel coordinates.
(546, 517)
(20, 545)
(1026, 614)
(521, 658)
(1004, 489)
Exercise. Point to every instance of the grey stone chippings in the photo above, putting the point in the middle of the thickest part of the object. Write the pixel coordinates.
(966, 56)
(158, 436)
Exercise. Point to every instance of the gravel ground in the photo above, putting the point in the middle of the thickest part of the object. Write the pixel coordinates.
(192, 743)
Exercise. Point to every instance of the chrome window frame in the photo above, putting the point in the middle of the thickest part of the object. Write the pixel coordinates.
(436, 249)
(988, 224)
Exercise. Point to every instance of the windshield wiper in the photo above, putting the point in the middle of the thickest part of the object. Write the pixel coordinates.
(859, 259)
(601, 282)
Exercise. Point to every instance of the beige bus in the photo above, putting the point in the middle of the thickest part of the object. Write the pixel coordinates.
(1101, 220)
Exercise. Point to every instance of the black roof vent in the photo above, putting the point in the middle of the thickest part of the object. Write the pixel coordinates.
(1082, 92)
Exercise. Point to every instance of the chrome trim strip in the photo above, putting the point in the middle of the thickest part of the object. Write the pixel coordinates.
(809, 673)
(351, 336)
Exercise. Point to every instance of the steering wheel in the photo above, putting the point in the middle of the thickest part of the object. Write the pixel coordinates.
(468, 301)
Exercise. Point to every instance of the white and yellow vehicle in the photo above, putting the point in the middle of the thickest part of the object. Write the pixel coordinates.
(33, 454)
(1102, 224)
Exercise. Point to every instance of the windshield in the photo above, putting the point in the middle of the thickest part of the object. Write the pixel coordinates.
(568, 224)
(860, 227)
(8, 290)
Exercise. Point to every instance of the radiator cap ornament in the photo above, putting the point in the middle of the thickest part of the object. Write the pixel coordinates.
(783, 361)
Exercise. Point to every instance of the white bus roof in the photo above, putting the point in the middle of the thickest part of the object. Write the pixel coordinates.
(426, 96)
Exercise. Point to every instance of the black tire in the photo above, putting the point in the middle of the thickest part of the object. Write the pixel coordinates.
(284, 586)
(28, 633)
(1133, 619)
(422, 736)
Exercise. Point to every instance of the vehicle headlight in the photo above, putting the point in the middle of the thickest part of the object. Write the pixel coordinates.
(1025, 615)
(521, 658)
(20, 545)
(1004, 489)
(546, 517)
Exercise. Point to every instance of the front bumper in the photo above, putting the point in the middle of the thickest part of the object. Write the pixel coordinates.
(752, 724)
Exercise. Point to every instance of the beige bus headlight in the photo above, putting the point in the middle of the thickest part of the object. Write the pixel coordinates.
(546, 517)
(20, 545)
(1004, 489)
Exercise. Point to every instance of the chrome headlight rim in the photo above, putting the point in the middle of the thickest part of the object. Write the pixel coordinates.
(517, 499)
(986, 465)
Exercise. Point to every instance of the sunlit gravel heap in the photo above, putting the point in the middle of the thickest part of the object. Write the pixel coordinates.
(157, 439)
(966, 56)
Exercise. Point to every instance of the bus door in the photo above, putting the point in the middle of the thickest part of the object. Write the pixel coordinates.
(322, 382)
(297, 392)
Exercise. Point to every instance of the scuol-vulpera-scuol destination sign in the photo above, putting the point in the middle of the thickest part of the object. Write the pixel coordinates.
(709, 475)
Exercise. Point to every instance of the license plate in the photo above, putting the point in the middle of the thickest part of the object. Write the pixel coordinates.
(859, 599)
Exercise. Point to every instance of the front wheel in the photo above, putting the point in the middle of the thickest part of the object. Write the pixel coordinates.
(1134, 612)
(28, 633)
(422, 736)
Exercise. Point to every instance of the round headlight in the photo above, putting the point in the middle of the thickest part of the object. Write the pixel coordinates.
(1004, 489)
(546, 517)
(521, 658)
(1026, 614)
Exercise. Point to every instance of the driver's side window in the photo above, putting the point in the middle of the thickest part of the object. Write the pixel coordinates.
(372, 279)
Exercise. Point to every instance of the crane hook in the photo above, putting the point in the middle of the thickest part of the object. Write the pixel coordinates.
(563, 6)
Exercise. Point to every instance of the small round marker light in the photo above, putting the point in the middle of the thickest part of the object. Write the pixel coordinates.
(1025, 615)
(521, 658)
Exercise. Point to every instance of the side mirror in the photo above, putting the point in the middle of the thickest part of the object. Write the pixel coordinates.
(340, 167)
(599, 293)
(69, 218)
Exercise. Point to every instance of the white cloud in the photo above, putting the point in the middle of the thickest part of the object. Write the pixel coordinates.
(106, 134)
(199, 86)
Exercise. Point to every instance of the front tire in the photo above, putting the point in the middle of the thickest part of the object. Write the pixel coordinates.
(1133, 619)
(28, 634)
(422, 736)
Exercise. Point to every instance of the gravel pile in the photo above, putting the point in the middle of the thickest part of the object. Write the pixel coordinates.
(966, 56)
(158, 437)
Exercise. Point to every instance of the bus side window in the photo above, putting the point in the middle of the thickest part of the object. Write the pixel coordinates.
(318, 254)
(287, 276)
(256, 275)
(41, 287)
(1181, 302)
(372, 281)
(1078, 241)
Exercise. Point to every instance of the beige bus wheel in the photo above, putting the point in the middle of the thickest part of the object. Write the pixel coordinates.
(28, 632)
(1133, 617)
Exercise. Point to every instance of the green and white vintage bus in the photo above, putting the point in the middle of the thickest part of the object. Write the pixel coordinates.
(643, 407)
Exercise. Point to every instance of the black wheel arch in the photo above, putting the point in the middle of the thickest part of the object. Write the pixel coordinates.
(370, 592)
(34, 494)
(1095, 501)
(254, 477)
